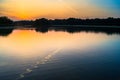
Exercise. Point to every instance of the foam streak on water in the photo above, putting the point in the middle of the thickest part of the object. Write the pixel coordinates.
(37, 64)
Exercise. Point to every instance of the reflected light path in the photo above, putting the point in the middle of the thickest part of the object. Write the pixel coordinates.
(29, 43)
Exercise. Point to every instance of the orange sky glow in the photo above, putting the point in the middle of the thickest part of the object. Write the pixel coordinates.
(32, 9)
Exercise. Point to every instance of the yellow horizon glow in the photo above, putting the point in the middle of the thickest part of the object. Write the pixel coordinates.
(29, 9)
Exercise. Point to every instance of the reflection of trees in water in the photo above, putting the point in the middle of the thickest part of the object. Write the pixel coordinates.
(108, 30)
(91, 29)
(5, 32)
(42, 29)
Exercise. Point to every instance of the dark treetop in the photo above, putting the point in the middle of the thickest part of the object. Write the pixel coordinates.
(4, 21)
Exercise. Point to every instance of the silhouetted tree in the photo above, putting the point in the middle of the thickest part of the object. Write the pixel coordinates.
(41, 22)
(74, 21)
(23, 23)
(4, 21)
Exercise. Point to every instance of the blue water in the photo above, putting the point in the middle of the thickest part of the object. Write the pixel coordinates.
(31, 55)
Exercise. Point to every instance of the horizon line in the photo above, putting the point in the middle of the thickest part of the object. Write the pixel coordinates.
(60, 18)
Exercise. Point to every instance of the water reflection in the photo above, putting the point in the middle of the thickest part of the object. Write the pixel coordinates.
(27, 41)
(48, 54)
(42, 29)
(109, 30)
(5, 32)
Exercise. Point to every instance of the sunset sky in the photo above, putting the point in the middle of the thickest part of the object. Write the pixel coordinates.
(51, 9)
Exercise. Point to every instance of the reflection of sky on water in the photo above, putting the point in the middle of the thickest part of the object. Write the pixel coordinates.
(23, 52)
(28, 43)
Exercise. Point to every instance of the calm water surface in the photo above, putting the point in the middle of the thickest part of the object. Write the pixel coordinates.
(58, 55)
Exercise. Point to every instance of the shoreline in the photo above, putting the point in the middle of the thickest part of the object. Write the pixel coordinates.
(60, 26)
(86, 26)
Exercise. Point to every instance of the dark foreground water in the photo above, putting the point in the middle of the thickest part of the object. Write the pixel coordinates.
(27, 54)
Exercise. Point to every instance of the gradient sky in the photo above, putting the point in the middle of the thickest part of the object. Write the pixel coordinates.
(31, 9)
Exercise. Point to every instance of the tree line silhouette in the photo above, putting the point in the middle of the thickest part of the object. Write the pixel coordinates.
(4, 21)
(70, 25)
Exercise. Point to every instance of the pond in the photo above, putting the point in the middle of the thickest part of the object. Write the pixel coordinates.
(30, 54)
